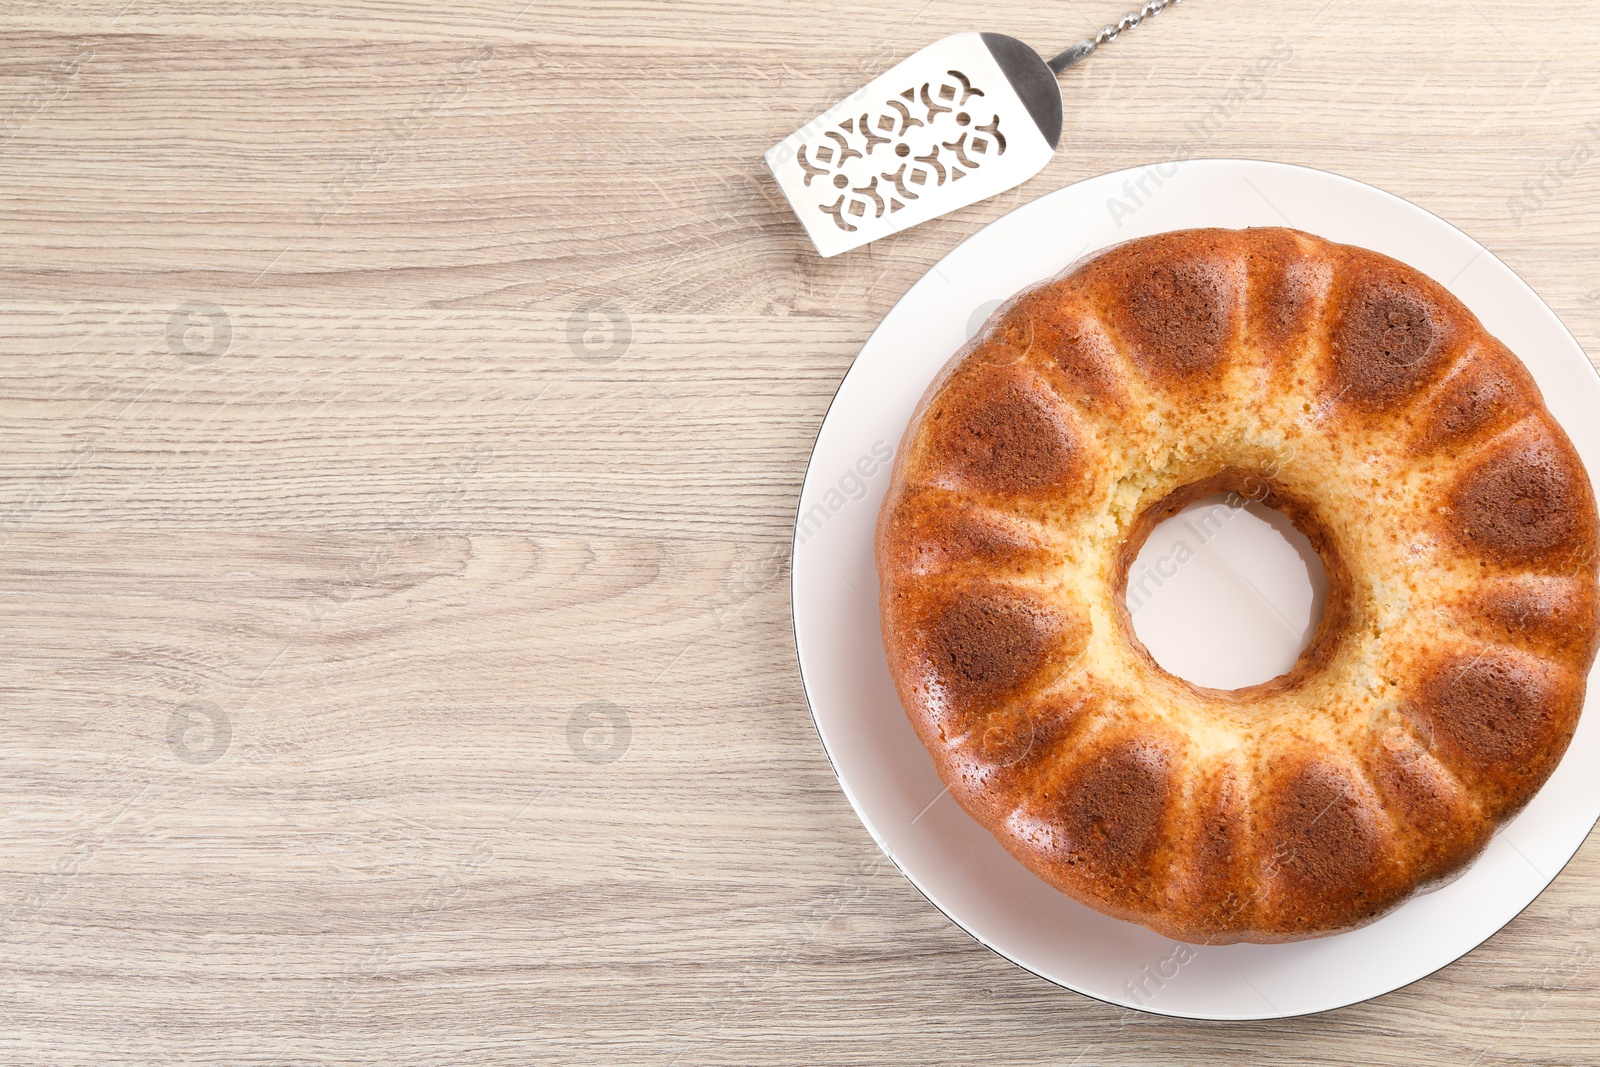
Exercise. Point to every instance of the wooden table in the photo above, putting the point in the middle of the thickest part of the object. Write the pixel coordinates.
(404, 410)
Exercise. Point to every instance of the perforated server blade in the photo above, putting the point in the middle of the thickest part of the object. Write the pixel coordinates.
(965, 118)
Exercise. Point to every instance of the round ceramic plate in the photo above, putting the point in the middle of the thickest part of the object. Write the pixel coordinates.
(885, 771)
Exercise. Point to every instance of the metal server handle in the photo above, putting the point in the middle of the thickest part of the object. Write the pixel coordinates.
(1084, 48)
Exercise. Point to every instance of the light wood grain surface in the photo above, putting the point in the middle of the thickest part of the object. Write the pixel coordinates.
(404, 407)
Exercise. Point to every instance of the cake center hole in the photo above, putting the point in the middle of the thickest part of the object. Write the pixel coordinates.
(1226, 594)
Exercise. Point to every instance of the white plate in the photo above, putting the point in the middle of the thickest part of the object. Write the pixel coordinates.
(885, 771)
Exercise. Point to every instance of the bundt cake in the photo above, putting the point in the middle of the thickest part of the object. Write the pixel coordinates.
(1455, 522)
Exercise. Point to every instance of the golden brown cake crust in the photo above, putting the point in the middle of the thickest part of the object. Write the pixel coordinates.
(1456, 524)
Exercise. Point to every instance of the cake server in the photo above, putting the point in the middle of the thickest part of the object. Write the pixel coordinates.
(965, 118)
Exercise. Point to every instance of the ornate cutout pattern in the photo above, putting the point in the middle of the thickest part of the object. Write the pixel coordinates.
(935, 133)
